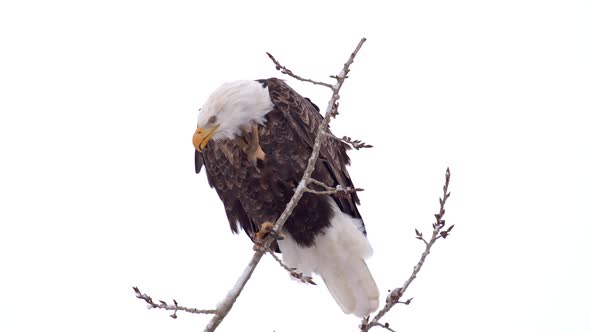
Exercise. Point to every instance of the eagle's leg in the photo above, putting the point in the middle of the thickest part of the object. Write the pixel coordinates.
(253, 150)
(266, 229)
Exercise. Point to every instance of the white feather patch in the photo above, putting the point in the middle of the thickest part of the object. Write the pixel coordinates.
(235, 105)
(338, 257)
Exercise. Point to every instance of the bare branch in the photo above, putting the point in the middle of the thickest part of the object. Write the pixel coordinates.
(225, 306)
(286, 71)
(163, 305)
(394, 296)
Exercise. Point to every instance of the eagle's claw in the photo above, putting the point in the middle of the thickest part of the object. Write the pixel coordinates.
(267, 229)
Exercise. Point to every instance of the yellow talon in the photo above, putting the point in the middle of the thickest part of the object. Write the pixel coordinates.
(267, 228)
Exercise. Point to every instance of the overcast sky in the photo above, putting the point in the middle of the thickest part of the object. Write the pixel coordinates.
(99, 102)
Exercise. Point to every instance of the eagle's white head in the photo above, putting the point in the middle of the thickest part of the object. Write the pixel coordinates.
(231, 109)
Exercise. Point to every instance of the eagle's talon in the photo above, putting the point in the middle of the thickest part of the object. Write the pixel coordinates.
(267, 229)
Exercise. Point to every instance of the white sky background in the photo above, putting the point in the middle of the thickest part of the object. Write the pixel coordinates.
(98, 192)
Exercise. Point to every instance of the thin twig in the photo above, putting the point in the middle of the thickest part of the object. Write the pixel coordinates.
(394, 296)
(334, 191)
(406, 302)
(292, 271)
(163, 305)
(286, 71)
(339, 191)
(420, 237)
(357, 144)
(320, 183)
(385, 326)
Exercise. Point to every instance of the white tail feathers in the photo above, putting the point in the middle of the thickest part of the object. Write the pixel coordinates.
(338, 257)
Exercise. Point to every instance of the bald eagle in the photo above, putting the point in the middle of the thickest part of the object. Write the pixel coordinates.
(254, 139)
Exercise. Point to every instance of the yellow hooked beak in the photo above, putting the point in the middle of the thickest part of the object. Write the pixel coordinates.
(202, 137)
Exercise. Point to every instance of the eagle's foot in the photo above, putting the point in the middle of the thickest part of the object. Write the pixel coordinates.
(267, 229)
(254, 150)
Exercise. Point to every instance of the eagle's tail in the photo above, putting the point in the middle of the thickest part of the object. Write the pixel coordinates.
(338, 257)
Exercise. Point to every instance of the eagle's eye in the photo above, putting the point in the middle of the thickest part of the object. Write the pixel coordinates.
(212, 119)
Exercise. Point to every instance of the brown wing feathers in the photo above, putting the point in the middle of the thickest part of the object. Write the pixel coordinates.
(306, 119)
